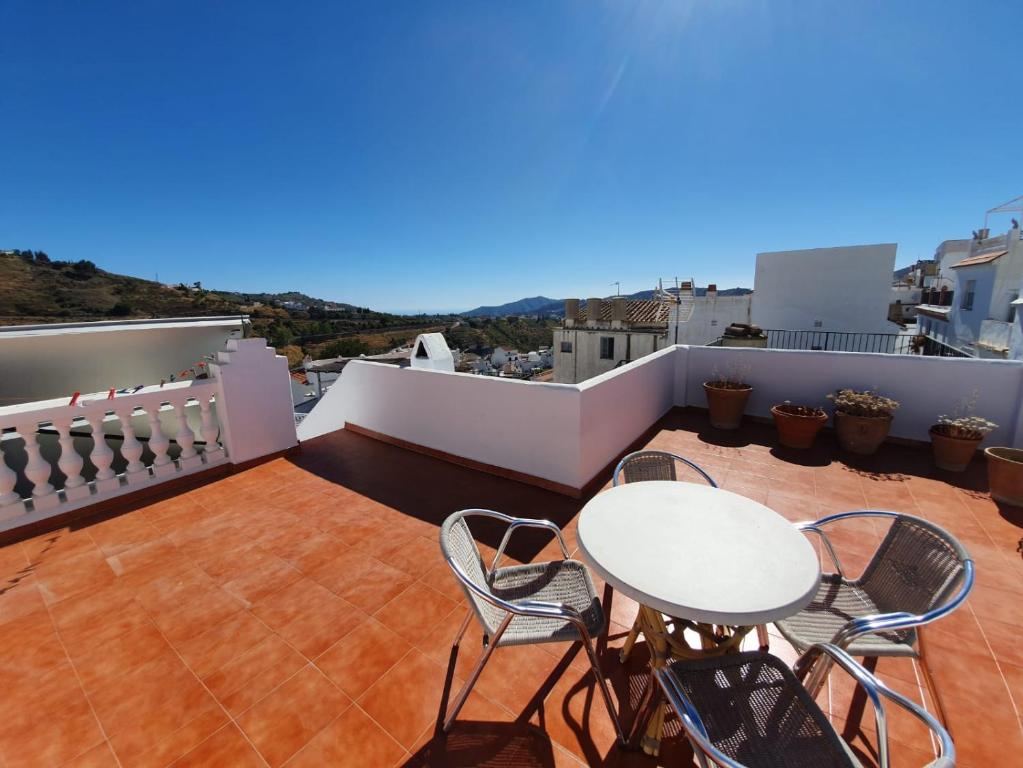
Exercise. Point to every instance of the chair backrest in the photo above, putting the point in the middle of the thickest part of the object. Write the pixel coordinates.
(657, 465)
(916, 568)
(459, 549)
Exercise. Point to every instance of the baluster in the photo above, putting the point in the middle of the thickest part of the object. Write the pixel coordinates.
(102, 455)
(10, 501)
(158, 444)
(131, 449)
(209, 431)
(70, 463)
(186, 439)
(38, 469)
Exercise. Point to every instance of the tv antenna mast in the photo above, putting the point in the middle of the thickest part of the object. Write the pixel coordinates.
(618, 288)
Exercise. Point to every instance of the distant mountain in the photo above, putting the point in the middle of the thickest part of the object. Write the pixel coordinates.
(541, 305)
(520, 307)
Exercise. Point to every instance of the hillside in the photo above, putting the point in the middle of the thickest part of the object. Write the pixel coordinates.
(542, 306)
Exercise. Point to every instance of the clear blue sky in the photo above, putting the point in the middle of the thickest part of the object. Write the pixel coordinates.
(435, 155)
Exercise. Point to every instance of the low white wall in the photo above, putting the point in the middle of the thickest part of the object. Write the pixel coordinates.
(618, 407)
(522, 426)
(926, 387)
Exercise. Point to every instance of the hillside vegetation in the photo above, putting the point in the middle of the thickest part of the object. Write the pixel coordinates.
(37, 289)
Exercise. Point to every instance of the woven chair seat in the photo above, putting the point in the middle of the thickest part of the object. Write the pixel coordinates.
(563, 581)
(757, 713)
(837, 602)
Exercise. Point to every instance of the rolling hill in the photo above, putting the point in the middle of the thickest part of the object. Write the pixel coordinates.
(541, 305)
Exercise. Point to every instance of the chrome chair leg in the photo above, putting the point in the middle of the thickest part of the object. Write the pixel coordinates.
(602, 684)
(467, 688)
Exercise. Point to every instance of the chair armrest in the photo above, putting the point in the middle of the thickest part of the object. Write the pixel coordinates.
(524, 522)
(886, 622)
(812, 527)
(875, 690)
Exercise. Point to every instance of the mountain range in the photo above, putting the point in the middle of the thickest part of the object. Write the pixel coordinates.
(542, 305)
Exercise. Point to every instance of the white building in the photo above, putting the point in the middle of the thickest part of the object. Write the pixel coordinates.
(845, 289)
(978, 314)
(702, 319)
(50, 361)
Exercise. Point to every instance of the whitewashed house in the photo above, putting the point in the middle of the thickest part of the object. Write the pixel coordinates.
(979, 314)
(844, 290)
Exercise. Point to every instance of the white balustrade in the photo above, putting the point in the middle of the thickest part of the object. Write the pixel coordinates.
(37, 470)
(131, 449)
(48, 430)
(71, 463)
(11, 504)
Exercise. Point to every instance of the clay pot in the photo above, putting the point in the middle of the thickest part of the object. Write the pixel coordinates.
(1005, 475)
(726, 404)
(952, 453)
(798, 425)
(861, 434)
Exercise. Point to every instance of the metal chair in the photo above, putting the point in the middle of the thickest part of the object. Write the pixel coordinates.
(547, 602)
(919, 573)
(749, 709)
(659, 465)
(655, 465)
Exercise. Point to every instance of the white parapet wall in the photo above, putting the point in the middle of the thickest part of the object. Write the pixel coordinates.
(926, 387)
(568, 434)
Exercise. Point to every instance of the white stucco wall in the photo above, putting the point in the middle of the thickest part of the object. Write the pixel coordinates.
(584, 361)
(709, 318)
(807, 378)
(846, 289)
(96, 357)
(568, 434)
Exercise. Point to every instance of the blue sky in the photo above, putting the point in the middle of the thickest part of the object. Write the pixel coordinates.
(411, 155)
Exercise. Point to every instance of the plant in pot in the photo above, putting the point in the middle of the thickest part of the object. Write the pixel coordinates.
(955, 438)
(862, 419)
(727, 394)
(798, 425)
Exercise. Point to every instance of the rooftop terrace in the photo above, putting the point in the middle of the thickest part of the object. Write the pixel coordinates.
(299, 613)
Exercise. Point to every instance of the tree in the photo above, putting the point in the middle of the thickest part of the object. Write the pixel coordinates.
(350, 347)
(42, 258)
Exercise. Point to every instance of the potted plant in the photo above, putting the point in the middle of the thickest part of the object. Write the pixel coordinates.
(798, 425)
(862, 419)
(1005, 474)
(727, 394)
(954, 439)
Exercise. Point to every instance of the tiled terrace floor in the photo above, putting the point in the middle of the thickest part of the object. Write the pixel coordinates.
(299, 614)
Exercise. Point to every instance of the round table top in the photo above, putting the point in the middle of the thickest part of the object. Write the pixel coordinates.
(698, 552)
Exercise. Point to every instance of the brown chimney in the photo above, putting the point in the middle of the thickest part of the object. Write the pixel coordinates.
(593, 309)
(619, 311)
(571, 312)
(712, 290)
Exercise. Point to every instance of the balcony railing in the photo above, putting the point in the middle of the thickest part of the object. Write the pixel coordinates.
(242, 412)
(842, 341)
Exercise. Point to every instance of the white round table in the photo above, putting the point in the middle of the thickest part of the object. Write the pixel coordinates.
(718, 561)
(698, 552)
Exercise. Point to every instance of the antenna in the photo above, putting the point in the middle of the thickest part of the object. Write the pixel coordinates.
(618, 288)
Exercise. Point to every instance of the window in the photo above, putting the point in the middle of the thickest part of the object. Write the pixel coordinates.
(967, 302)
(566, 346)
(607, 348)
(1012, 307)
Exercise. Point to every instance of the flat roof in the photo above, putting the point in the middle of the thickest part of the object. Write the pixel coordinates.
(101, 326)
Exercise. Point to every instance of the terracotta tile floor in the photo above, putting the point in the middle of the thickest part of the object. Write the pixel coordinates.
(298, 614)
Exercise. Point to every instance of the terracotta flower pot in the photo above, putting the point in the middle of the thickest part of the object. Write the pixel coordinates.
(726, 404)
(1005, 474)
(952, 453)
(798, 425)
(861, 434)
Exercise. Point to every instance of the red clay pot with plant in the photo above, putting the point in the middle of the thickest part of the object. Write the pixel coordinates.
(862, 419)
(951, 452)
(798, 425)
(726, 401)
(1005, 474)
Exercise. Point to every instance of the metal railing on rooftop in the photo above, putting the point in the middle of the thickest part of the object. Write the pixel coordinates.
(842, 341)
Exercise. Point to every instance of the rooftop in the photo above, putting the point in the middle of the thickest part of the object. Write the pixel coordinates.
(299, 613)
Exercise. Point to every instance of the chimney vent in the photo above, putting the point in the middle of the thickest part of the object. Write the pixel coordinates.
(712, 290)
(619, 311)
(594, 307)
(571, 312)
